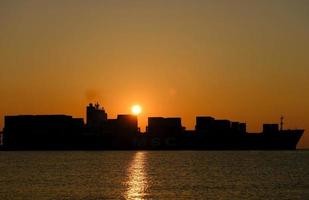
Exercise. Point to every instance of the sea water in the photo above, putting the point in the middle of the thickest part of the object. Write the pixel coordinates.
(94, 175)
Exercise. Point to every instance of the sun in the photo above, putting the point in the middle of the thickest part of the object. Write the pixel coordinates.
(136, 109)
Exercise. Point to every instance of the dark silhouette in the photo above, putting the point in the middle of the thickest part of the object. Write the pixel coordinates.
(164, 127)
(62, 132)
(96, 116)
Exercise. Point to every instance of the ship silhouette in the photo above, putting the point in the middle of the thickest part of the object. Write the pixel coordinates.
(63, 132)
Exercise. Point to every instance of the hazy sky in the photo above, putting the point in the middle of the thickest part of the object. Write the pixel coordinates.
(241, 60)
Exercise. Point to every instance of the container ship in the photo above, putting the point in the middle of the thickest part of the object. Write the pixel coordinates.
(63, 132)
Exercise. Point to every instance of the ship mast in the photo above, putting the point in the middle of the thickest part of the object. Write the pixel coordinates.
(281, 123)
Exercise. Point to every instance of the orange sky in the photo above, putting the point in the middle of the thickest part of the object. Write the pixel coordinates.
(246, 60)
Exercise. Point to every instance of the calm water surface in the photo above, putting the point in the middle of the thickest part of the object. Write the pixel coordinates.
(154, 175)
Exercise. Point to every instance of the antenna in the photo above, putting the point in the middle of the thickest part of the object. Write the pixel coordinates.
(97, 106)
(281, 123)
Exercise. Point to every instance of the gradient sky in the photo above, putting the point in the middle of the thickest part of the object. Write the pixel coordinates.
(241, 60)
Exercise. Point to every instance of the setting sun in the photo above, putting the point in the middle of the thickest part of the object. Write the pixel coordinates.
(136, 109)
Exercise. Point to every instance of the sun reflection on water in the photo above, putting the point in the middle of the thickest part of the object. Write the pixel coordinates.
(137, 177)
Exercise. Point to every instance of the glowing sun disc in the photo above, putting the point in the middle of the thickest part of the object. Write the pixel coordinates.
(136, 109)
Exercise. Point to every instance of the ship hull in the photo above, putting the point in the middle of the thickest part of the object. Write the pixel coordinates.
(280, 141)
(186, 141)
